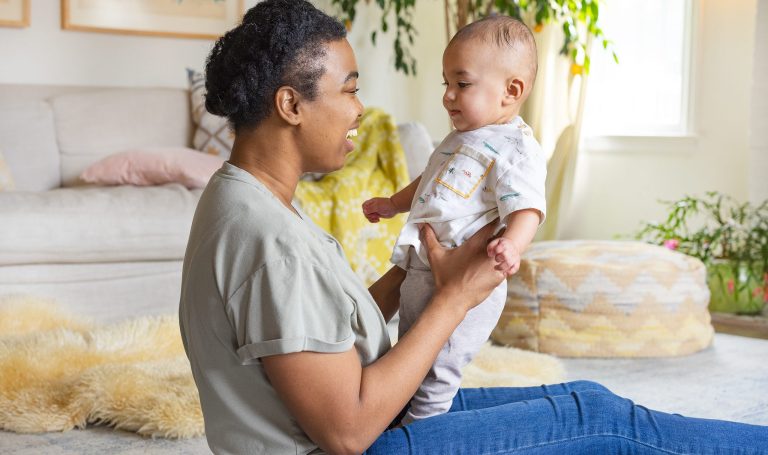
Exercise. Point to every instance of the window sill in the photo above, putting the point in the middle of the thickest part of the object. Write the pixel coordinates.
(682, 144)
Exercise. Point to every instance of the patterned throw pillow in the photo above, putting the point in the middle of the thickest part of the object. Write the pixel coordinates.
(6, 179)
(212, 134)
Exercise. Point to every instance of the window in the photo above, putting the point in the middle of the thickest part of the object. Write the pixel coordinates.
(646, 94)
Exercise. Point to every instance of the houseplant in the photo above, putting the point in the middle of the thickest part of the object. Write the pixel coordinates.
(730, 237)
(577, 18)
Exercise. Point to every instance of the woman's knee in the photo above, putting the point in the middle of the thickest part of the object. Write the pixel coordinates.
(584, 385)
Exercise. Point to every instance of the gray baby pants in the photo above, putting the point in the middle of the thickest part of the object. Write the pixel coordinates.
(436, 392)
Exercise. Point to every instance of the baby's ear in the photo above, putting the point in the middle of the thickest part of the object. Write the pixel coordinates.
(514, 90)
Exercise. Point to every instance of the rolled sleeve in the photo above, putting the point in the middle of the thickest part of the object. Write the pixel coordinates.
(290, 305)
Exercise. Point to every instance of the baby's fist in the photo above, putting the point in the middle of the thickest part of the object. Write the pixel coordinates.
(506, 255)
(377, 208)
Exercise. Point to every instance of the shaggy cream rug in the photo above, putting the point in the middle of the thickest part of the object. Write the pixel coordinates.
(58, 372)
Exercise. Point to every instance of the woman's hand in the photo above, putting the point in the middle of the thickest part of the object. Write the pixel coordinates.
(465, 274)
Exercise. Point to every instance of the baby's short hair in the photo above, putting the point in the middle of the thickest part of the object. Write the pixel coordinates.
(504, 32)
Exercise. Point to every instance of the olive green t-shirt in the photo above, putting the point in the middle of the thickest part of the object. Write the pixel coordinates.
(258, 280)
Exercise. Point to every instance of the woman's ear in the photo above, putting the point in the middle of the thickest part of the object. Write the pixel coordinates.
(514, 90)
(287, 105)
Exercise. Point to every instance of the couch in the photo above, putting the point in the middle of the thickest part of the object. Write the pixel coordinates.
(106, 252)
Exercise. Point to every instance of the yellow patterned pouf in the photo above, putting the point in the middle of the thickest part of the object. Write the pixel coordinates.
(606, 299)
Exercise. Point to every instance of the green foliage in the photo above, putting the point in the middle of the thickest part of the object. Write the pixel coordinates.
(714, 227)
(578, 19)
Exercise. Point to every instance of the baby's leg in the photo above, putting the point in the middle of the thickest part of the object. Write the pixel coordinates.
(415, 292)
(436, 393)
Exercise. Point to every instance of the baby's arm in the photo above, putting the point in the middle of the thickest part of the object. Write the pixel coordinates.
(387, 207)
(507, 249)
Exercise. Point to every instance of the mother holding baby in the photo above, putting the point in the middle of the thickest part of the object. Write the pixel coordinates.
(290, 351)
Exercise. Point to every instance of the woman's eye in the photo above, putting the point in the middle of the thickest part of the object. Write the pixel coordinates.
(354, 90)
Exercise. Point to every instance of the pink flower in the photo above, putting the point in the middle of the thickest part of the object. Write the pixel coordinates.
(672, 244)
(757, 291)
(730, 286)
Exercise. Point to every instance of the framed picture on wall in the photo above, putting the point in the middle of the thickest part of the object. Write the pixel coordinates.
(205, 19)
(14, 13)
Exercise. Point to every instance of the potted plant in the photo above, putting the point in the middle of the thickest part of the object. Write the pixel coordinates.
(731, 238)
(578, 20)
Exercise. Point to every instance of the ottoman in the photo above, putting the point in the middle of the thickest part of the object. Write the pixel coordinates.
(584, 298)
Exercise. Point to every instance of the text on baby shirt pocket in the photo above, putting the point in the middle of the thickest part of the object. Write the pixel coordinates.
(464, 171)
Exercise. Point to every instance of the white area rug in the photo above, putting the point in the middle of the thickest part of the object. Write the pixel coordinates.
(58, 372)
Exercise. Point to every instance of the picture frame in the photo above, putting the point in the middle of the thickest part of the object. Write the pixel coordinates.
(202, 19)
(14, 13)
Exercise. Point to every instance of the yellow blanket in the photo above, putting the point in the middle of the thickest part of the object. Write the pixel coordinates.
(376, 167)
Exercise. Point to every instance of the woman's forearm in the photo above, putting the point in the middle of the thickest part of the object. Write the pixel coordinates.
(386, 291)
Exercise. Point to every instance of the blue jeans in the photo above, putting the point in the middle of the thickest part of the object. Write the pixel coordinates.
(579, 417)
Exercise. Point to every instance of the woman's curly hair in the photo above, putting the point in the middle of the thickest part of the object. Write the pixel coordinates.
(279, 43)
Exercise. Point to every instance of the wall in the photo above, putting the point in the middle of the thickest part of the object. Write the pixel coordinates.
(407, 98)
(45, 54)
(618, 187)
(758, 135)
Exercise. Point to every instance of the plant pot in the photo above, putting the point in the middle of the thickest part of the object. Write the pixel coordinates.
(737, 287)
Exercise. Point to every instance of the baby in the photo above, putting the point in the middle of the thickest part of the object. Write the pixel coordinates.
(490, 167)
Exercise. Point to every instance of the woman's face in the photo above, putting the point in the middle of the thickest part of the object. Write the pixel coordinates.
(334, 112)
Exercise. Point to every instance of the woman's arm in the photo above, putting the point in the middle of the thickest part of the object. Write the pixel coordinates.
(386, 291)
(344, 407)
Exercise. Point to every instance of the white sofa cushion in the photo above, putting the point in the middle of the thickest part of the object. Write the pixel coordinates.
(28, 141)
(417, 146)
(6, 179)
(96, 224)
(92, 125)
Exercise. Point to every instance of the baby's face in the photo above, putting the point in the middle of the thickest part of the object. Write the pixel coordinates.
(475, 77)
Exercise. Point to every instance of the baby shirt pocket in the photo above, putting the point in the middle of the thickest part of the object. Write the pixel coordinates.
(464, 171)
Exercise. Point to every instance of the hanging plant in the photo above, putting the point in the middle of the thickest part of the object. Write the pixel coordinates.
(577, 18)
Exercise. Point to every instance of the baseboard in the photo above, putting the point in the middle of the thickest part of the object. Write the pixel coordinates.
(748, 326)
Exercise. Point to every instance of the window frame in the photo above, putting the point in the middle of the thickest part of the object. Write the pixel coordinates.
(682, 139)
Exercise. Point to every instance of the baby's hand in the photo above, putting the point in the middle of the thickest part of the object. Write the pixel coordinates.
(506, 255)
(379, 207)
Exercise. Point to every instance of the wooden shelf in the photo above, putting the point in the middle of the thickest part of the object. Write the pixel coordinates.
(748, 326)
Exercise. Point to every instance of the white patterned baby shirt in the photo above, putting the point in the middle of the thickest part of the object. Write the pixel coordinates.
(471, 179)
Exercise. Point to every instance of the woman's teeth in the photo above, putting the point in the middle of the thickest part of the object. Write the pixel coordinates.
(351, 133)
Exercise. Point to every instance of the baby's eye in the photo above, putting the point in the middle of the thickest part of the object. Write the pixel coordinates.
(354, 90)
(463, 84)
(445, 84)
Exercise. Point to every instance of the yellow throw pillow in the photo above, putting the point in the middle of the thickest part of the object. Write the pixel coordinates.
(6, 179)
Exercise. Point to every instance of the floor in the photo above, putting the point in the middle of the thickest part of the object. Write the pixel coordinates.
(727, 381)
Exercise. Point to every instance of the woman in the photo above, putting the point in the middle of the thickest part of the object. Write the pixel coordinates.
(290, 352)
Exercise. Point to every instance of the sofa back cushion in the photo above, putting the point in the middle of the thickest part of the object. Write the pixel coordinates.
(92, 125)
(28, 142)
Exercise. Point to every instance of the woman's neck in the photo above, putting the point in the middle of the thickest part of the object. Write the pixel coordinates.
(269, 160)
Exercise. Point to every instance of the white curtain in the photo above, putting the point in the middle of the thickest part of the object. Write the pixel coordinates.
(555, 110)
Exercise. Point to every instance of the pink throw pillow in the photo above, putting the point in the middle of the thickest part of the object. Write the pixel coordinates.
(154, 166)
